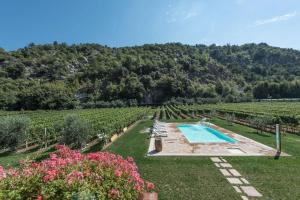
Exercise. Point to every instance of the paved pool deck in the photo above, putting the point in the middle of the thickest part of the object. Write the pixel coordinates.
(177, 145)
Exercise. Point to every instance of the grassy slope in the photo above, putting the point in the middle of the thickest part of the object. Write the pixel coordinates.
(175, 177)
(276, 179)
(11, 159)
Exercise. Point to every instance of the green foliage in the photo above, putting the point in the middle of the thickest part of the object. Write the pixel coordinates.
(230, 118)
(8, 93)
(13, 131)
(106, 121)
(58, 76)
(74, 131)
(277, 90)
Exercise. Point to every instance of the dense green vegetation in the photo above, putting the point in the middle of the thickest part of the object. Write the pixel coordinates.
(197, 177)
(72, 127)
(12, 131)
(57, 76)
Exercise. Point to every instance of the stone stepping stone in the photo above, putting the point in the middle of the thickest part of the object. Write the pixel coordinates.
(237, 189)
(251, 191)
(215, 159)
(244, 198)
(234, 172)
(225, 172)
(234, 181)
(226, 165)
(234, 178)
(245, 181)
(217, 165)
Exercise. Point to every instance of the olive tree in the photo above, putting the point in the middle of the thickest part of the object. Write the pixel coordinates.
(260, 123)
(230, 118)
(74, 131)
(13, 131)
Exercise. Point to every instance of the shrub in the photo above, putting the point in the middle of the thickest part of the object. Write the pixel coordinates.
(102, 104)
(12, 131)
(71, 175)
(117, 103)
(132, 102)
(88, 105)
(74, 131)
(230, 118)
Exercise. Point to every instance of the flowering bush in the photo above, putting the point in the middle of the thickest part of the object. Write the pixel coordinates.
(69, 174)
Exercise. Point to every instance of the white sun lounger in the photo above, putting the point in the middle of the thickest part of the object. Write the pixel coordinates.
(161, 134)
(159, 127)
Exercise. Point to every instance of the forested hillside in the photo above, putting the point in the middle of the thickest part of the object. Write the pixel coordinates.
(56, 76)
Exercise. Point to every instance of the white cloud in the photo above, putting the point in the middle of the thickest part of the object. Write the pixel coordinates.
(174, 16)
(190, 15)
(182, 11)
(275, 19)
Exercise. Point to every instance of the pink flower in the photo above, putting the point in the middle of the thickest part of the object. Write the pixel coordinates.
(138, 188)
(28, 171)
(2, 173)
(118, 173)
(150, 186)
(36, 165)
(60, 147)
(53, 156)
(50, 175)
(114, 193)
(73, 167)
(130, 159)
(12, 172)
(88, 172)
(74, 176)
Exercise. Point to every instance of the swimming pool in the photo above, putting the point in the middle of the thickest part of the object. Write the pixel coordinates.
(196, 133)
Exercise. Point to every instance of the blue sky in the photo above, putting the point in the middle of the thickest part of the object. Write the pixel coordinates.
(134, 22)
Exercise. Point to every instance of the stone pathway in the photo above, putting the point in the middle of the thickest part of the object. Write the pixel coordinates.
(238, 182)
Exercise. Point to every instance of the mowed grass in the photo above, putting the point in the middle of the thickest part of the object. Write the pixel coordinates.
(274, 178)
(174, 177)
(12, 159)
(198, 178)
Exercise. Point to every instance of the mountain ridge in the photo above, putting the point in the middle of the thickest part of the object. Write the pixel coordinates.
(56, 76)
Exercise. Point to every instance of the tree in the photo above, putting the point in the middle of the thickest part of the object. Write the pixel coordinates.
(57, 96)
(55, 76)
(15, 70)
(132, 88)
(13, 131)
(74, 131)
(8, 93)
(53, 95)
(260, 91)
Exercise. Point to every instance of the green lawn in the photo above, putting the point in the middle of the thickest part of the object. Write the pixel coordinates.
(275, 179)
(198, 178)
(174, 177)
(11, 159)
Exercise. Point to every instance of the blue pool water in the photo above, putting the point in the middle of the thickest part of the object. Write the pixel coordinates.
(196, 133)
